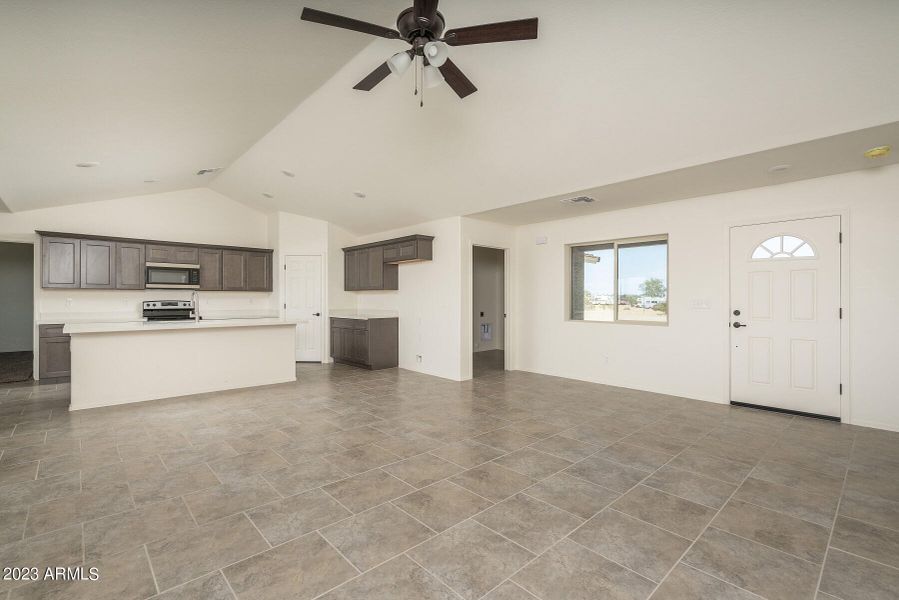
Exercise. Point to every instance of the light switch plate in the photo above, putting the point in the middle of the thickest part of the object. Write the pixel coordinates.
(700, 304)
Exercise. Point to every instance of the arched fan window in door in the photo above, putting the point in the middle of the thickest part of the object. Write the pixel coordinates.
(783, 246)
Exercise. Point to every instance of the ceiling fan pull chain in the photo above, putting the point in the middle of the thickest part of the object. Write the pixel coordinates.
(415, 72)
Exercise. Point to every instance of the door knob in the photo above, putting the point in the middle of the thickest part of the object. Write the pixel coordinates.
(737, 325)
(316, 314)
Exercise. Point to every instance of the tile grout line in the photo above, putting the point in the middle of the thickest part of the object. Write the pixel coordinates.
(152, 571)
(836, 516)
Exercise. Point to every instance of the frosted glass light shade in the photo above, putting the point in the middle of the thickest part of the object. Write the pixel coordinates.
(432, 76)
(437, 53)
(399, 63)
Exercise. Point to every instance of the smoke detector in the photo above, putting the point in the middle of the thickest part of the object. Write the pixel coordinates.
(207, 171)
(578, 200)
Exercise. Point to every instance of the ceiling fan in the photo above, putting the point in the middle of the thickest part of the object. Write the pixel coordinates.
(422, 26)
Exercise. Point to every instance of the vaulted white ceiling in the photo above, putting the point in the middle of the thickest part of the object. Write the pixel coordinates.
(151, 90)
(611, 91)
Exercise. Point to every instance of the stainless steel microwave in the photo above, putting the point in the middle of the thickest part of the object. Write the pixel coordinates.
(173, 276)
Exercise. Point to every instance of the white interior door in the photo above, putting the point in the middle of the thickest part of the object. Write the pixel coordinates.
(785, 315)
(304, 304)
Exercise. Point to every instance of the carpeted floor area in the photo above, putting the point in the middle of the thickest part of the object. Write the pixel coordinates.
(15, 366)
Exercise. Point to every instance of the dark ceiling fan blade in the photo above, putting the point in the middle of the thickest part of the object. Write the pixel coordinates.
(425, 11)
(373, 78)
(317, 16)
(457, 80)
(507, 31)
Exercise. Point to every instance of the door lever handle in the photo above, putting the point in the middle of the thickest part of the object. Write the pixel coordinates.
(737, 325)
(316, 314)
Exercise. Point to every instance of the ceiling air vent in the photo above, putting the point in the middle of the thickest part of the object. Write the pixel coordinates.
(578, 200)
(207, 171)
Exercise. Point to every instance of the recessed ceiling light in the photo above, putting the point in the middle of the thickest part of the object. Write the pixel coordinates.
(87, 165)
(210, 170)
(359, 194)
(578, 200)
(780, 168)
(878, 152)
(288, 173)
(267, 195)
(151, 181)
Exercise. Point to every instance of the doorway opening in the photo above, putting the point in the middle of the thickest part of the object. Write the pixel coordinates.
(488, 310)
(303, 303)
(16, 312)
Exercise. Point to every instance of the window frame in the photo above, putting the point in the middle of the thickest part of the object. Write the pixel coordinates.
(615, 243)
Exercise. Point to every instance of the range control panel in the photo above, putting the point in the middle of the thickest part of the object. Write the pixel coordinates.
(151, 304)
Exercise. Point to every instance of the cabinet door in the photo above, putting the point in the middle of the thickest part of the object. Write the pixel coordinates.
(55, 359)
(60, 263)
(185, 255)
(130, 266)
(259, 271)
(360, 346)
(375, 267)
(363, 278)
(350, 274)
(98, 264)
(234, 270)
(210, 269)
(336, 343)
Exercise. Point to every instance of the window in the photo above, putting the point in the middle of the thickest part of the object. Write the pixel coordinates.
(621, 280)
(783, 246)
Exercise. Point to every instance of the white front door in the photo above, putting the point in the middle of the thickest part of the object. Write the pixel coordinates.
(785, 315)
(304, 304)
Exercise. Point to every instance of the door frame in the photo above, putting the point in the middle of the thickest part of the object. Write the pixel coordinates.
(507, 304)
(845, 357)
(34, 241)
(325, 341)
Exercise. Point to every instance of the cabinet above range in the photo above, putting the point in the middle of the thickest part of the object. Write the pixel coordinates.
(73, 260)
(374, 266)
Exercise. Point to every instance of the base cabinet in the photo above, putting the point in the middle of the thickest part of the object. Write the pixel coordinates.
(54, 356)
(368, 343)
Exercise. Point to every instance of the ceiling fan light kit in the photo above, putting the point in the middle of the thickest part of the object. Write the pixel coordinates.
(399, 63)
(422, 26)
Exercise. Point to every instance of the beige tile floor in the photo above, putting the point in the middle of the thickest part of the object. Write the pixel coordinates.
(393, 485)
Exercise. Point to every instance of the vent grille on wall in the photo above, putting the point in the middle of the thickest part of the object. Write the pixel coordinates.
(579, 200)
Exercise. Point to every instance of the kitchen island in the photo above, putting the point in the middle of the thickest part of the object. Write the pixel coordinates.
(123, 362)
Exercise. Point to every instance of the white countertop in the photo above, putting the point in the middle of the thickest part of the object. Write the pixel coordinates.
(363, 315)
(135, 326)
(131, 317)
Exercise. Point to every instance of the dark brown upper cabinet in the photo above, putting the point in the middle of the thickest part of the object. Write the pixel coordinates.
(74, 260)
(210, 269)
(130, 266)
(234, 270)
(375, 266)
(184, 255)
(60, 262)
(259, 271)
(98, 264)
(413, 249)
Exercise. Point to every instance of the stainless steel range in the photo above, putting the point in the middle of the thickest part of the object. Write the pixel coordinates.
(168, 310)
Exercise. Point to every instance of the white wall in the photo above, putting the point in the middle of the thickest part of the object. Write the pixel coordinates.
(16, 297)
(338, 298)
(429, 301)
(488, 283)
(690, 356)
